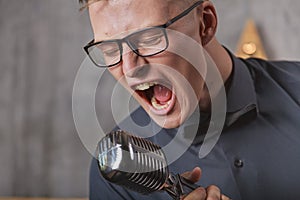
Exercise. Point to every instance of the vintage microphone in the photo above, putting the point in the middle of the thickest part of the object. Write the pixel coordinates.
(139, 165)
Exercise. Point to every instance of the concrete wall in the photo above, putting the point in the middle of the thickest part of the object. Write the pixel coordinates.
(40, 152)
(41, 50)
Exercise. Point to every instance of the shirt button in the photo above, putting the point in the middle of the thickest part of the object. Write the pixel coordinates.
(238, 163)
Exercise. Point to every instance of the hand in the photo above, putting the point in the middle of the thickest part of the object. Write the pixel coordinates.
(211, 192)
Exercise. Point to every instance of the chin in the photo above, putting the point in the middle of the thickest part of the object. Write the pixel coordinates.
(170, 123)
(172, 120)
(167, 122)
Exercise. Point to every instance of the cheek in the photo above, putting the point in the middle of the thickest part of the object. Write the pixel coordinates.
(191, 76)
(182, 66)
(116, 72)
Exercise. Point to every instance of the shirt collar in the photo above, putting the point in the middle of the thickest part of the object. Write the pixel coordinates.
(241, 100)
(241, 91)
(241, 95)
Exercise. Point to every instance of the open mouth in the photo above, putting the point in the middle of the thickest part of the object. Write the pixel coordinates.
(160, 97)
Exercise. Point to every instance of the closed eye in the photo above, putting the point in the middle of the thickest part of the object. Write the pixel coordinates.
(151, 41)
(111, 52)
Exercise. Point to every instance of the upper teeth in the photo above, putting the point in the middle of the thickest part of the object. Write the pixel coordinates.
(144, 86)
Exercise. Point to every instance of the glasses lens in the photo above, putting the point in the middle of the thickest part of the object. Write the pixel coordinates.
(148, 42)
(105, 54)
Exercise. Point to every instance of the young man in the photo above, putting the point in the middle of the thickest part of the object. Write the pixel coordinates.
(257, 155)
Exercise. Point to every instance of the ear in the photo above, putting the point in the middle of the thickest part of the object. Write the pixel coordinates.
(208, 22)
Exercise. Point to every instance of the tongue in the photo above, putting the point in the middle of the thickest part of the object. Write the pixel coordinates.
(162, 94)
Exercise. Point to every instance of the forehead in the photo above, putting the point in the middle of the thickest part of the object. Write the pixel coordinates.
(112, 17)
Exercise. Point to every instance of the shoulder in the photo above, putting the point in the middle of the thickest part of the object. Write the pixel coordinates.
(278, 70)
(278, 76)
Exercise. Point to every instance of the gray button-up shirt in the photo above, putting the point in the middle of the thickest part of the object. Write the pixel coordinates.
(258, 153)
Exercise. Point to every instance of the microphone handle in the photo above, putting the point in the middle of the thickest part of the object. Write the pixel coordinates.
(178, 186)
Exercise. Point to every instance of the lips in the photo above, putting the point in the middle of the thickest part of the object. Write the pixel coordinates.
(158, 96)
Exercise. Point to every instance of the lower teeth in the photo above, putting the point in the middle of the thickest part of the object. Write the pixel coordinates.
(159, 106)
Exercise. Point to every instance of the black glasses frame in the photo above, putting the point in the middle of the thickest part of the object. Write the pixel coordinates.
(125, 39)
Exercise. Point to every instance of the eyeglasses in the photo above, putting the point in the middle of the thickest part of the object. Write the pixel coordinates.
(146, 42)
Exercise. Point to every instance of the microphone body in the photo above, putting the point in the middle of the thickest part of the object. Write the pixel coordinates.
(139, 165)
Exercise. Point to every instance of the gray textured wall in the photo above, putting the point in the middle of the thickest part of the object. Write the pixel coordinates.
(40, 151)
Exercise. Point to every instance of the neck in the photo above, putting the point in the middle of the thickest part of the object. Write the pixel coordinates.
(224, 64)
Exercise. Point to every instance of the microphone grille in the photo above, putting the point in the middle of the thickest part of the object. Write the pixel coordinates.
(132, 162)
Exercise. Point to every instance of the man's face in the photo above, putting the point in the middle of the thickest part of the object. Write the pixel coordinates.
(164, 84)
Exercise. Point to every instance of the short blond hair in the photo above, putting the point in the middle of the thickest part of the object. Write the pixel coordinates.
(86, 3)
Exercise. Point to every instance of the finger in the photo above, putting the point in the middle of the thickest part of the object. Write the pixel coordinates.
(194, 175)
(223, 197)
(213, 193)
(198, 194)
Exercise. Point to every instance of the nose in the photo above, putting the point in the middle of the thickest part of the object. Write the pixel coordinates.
(132, 64)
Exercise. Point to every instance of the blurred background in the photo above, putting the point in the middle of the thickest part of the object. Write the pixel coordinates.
(41, 50)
